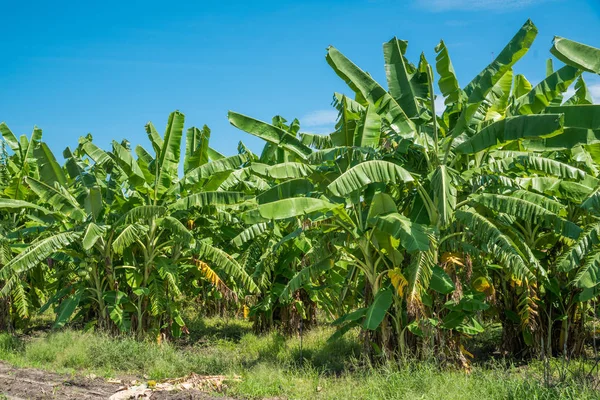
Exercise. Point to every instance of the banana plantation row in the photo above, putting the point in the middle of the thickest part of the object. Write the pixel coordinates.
(417, 225)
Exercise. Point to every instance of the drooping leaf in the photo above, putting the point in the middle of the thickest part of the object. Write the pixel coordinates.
(203, 199)
(368, 172)
(588, 276)
(528, 211)
(224, 262)
(485, 232)
(32, 256)
(250, 233)
(413, 237)
(304, 276)
(91, 235)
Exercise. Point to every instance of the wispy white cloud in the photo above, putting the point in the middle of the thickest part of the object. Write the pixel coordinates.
(439, 104)
(319, 118)
(319, 131)
(595, 92)
(476, 5)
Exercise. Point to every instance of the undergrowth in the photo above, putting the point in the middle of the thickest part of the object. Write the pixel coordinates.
(271, 365)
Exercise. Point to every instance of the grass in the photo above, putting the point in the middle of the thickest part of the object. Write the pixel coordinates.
(270, 365)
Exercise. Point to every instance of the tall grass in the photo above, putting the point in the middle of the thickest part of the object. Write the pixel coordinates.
(271, 366)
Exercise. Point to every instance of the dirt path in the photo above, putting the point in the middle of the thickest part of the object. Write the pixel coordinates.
(29, 383)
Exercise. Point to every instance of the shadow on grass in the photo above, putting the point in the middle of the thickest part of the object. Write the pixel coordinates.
(209, 330)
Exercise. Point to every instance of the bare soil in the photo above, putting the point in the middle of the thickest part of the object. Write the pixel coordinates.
(29, 383)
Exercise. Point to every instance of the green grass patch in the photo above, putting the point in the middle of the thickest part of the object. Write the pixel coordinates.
(271, 366)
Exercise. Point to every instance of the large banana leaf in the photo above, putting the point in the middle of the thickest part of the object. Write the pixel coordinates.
(582, 94)
(524, 126)
(168, 158)
(291, 188)
(28, 146)
(93, 202)
(196, 148)
(203, 199)
(224, 262)
(479, 87)
(287, 170)
(362, 83)
(413, 237)
(547, 90)
(528, 211)
(560, 188)
(512, 52)
(92, 234)
(444, 194)
(32, 256)
(521, 86)
(588, 275)
(11, 204)
(145, 212)
(10, 139)
(179, 231)
(155, 139)
(293, 207)
(577, 253)
(506, 162)
(128, 236)
(315, 140)
(128, 164)
(58, 198)
(576, 54)
(368, 132)
(99, 156)
(486, 233)
(447, 83)
(305, 275)
(270, 133)
(250, 233)
(335, 153)
(399, 77)
(356, 178)
(377, 310)
(50, 171)
(66, 309)
(579, 116)
(206, 171)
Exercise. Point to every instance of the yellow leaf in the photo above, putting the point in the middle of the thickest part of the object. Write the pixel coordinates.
(398, 280)
(465, 351)
(482, 285)
(453, 258)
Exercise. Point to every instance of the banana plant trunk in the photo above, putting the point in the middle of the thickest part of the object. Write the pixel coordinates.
(5, 317)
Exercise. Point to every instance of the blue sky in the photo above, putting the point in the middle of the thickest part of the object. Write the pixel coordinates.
(108, 68)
